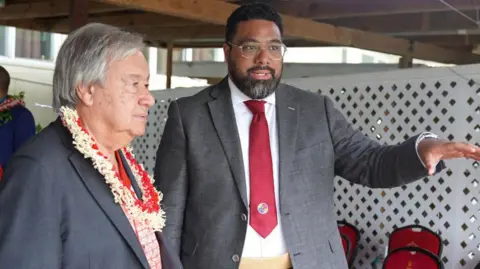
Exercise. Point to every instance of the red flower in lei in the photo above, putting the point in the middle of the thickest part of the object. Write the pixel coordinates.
(150, 200)
(10, 102)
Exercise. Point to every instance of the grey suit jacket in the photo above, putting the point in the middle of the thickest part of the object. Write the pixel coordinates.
(56, 211)
(199, 169)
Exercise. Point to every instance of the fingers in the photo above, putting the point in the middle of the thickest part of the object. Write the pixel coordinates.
(470, 151)
(459, 150)
(474, 156)
(462, 147)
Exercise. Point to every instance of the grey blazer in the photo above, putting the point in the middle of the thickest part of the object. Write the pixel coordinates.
(200, 171)
(56, 211)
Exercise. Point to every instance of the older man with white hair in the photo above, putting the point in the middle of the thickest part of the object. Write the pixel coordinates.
(74, 196)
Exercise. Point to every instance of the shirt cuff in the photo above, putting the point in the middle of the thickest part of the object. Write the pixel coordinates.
(420, 138)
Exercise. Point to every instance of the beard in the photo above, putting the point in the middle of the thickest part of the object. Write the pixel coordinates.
(253, 88)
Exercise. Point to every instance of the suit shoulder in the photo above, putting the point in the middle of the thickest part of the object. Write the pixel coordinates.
(305, 96)
(198, 98)
(45, 147)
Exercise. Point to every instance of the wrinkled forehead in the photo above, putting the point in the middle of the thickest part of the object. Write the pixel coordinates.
(134, 66)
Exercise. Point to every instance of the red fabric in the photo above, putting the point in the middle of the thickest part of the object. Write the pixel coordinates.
(352, 235)
(263, 211)
(415, 237)
(345, 244)
(407, 259)
(121, 171)
(1, 172)
(145, 234)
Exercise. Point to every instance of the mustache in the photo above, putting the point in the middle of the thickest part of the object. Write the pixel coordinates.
(257, 68)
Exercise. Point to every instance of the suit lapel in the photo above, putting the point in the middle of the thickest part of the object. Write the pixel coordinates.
(101, 193)
(223, 117)
(287, 115)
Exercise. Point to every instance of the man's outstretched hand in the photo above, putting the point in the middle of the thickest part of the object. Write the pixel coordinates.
(434, 150)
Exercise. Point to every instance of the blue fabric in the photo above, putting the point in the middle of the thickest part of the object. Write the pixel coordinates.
(15, 132)
(3, 99)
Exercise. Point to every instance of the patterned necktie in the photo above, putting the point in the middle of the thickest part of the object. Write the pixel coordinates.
(145, 234)
(263, 211)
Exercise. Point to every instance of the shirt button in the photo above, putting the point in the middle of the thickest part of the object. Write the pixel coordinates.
(235, 258)
(244, 217)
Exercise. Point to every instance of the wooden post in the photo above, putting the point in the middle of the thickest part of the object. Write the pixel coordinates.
(78, 14)
(405, 62)
(169, 64)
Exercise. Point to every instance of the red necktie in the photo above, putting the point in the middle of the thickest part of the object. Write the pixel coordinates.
(263, 211)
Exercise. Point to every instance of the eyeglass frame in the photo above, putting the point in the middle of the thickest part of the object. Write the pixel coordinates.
(261, 48)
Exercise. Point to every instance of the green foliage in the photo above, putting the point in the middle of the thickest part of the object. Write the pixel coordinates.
(38, 128)
(5, 116)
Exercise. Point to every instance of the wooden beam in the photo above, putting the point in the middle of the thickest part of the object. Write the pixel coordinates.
(133, 22)
(408, 22)
(127, 20)
(164, 32)
(218, 43)
(122, 19)
(78, 14)
(304, 28)
(47, 9)
(426, 22)
(359, 8)
(25, 1)
(191, 32)
(42, 25)
(447, 40)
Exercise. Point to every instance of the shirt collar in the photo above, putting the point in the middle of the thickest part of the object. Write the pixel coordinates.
(239, 97)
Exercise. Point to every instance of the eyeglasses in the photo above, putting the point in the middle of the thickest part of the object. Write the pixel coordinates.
(252, 49)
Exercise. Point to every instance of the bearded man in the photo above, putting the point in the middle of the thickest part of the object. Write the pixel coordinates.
(247, 166)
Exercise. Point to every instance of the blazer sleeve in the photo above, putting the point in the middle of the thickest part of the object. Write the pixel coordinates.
(30, 214)
(171, 176)
(366, 162)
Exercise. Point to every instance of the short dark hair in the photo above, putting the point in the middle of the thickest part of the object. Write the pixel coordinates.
(4, 80)
(251, 11)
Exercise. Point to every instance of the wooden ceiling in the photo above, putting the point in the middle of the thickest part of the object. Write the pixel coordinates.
(438, 30)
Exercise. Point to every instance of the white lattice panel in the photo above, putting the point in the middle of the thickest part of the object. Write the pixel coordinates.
(391, 107)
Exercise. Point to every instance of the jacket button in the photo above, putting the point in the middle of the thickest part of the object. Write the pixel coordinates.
(244, 217)
(235, 258)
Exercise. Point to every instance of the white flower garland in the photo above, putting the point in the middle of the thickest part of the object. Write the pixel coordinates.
(86, 144)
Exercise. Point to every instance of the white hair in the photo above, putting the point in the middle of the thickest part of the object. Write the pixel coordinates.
(84, 58)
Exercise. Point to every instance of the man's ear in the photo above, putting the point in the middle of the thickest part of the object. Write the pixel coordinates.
(85, 94)
(226, 51)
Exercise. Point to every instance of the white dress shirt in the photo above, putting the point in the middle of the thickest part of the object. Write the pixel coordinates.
(256, 246)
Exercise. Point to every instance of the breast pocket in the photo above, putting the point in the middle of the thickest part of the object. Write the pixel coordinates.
(315, 156)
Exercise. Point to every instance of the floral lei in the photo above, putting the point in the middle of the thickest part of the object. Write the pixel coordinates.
(147, 209)
(8, 104)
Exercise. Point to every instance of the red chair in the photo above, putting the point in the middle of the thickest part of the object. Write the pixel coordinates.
(353, 235)
(345, 243)
(411, 258)
(415, 236)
